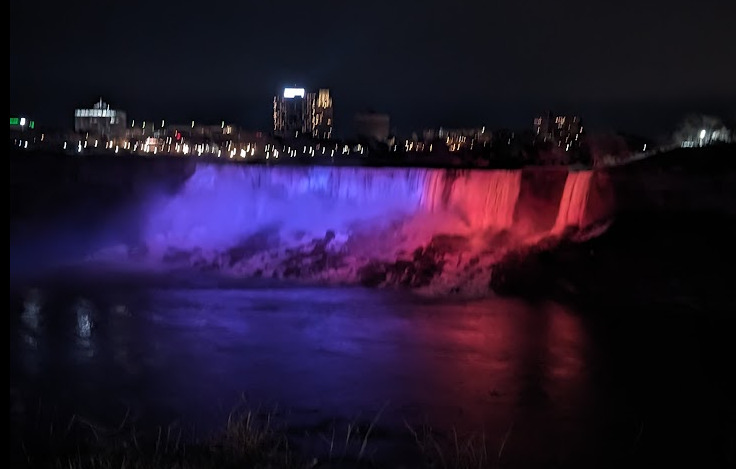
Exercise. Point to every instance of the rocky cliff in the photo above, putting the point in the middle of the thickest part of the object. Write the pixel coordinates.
(674, 223)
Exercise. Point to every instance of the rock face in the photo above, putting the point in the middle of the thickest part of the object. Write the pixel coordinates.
(266, 254)
(539, 199)
(642, 261)
(46, 184)
(675, 215)
(686, 180)
(424, 265)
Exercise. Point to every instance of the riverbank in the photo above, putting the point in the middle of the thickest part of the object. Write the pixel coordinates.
(643, 259)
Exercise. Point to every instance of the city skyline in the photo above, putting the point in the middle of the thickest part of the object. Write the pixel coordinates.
(624, 68)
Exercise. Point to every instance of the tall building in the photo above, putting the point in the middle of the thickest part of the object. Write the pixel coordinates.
(372, 126)
(321, 114)
(100, 120)
(564, 131)
(298, 112)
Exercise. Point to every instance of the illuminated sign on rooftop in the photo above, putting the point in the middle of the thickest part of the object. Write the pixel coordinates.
(94, 113)
(293, 93)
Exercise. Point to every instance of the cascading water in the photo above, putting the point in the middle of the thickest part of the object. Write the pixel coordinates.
(574, 201)
(482, 199)
(221, 204)
(416, 227)
(486, 199)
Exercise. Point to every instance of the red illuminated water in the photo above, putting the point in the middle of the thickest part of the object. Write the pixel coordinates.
(574, 201)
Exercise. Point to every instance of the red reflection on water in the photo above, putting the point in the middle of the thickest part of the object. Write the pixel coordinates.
(500, 364)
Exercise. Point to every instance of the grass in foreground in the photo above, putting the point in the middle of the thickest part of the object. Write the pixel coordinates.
(249, 440)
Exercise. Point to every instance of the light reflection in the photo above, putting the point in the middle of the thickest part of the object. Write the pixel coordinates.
(31, 330)
(84, 310)
(32, 310)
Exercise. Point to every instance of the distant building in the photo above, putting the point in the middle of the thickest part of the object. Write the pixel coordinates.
(372, 126)
(320, 113)
(298, 112)
(100, 120)
(706, 137)
(563, 131)
(459, 139)
(701, 130)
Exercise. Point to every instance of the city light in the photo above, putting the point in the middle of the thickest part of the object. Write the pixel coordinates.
(95, 113)
(293, 93)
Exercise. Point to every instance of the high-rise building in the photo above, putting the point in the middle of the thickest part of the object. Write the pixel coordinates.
(564, 131)
(100, 120)
(321, 114)
(290, 113)
(298, 112)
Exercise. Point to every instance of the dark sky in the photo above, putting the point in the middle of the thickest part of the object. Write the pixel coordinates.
(636, 65)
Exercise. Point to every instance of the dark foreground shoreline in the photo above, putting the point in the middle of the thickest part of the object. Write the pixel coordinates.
(255, 438)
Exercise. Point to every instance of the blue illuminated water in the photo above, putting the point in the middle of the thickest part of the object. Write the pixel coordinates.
(190, 354)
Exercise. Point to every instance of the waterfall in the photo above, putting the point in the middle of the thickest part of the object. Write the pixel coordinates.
(486, 199)
(574, 201)
(483, 199)
(443, 228)
(220, 204)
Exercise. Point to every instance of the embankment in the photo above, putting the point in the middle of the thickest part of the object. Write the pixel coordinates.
(673, 227)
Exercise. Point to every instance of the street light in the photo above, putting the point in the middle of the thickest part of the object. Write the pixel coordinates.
(702, 136)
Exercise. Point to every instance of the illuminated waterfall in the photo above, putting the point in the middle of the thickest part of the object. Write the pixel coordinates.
(222, 203)
(574, 201)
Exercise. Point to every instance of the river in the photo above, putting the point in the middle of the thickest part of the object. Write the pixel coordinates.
(552, 385)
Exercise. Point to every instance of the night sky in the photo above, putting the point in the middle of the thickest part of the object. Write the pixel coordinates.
(628, 65)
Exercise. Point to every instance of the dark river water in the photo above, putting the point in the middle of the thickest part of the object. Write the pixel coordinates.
(560, 387)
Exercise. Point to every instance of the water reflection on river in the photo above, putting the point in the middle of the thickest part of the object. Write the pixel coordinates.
(190, 354)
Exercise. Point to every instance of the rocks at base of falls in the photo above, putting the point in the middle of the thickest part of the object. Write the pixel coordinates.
(419, 270)
(446, 261)
(526, 271)
(644, 262)
(265, 255)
